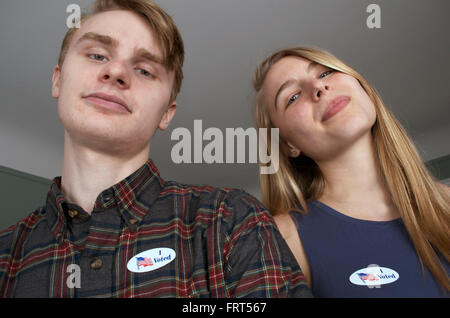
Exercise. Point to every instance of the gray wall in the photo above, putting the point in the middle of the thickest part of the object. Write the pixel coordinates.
(20, 194)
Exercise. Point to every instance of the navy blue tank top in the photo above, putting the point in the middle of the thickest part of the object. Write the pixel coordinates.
(349, 257)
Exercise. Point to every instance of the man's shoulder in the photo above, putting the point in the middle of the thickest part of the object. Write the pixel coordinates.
(230, 203)
(206, 192)
(26, 224)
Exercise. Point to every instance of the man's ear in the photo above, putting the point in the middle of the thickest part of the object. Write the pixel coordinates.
(55, 81)
(168, 115)
(293, 151)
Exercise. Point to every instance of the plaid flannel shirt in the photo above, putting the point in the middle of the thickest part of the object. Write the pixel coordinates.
(225, 244)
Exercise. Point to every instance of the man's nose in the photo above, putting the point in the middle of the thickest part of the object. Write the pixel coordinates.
(116, 73)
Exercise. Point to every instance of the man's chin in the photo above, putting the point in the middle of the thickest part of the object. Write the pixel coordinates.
(105, 141)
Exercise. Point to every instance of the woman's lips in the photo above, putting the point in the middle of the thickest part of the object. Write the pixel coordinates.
(335, 106)
(110, 102)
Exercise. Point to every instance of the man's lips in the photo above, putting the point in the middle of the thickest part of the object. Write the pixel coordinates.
(108, 101)
(335, 106)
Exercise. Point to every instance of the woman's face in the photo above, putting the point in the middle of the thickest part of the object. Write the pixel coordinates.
(318, 111)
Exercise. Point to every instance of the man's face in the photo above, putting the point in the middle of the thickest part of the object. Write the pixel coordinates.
(113, 92)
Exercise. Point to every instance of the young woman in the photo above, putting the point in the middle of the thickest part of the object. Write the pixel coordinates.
(353, 200)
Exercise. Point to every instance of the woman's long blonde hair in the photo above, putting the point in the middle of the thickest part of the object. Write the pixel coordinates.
(422, 202)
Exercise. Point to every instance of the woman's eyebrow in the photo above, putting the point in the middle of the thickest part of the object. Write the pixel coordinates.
(292, 81)
(283, 86)
(311, 66)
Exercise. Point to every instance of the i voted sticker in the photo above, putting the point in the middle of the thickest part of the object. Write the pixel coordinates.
(151, 260)
(374, 276)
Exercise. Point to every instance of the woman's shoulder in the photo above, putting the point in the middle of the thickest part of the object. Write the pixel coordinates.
(285, 224)
(288, 229)
(290, 234)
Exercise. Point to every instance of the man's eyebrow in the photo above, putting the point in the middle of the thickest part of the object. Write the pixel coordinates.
(146, 55)
(292, 81)
(104, 39)
(114, 43)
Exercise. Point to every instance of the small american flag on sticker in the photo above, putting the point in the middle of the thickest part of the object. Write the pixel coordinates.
(144, 261)
(366, 276)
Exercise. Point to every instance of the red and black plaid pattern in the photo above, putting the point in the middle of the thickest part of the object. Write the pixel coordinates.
(225, 241)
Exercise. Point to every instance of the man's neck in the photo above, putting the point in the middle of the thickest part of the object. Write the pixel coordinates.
(87, 172)
(355, 186)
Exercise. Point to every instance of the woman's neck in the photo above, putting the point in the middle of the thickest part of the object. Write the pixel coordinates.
(354, 184)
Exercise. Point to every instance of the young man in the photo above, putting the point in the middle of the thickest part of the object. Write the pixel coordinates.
(111, 226)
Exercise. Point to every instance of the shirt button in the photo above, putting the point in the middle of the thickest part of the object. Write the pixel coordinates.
(133, 221)
(73, 213)
(58, 236)
(96, 263)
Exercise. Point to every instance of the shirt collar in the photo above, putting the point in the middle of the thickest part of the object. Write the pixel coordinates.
(133, 196)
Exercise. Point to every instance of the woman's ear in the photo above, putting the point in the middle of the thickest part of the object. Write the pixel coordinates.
(294, 152)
